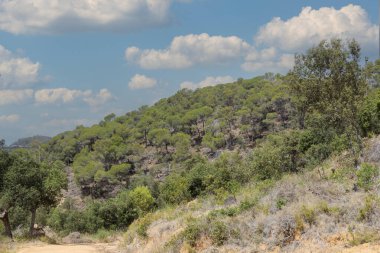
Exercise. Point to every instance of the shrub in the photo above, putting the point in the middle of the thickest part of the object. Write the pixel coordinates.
(103, 235)
(141, 199)
(192, 232)
(308, 214)
(218, 232)
(366, 236)
(366, 212)
(366, 176)
(174, 190)
(280, 203)
(119, 170)
(143, 225)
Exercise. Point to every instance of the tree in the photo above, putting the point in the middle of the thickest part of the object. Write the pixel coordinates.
(329, 80)
(5, 163)
(160, 137)
(39, 185)
(182, 144)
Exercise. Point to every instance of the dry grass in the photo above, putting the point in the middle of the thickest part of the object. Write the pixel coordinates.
(319, 209)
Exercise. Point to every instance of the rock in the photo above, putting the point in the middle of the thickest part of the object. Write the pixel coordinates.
(50, 234)
(74, 238)
(372, 152)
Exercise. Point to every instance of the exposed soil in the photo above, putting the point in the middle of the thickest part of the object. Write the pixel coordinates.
(82, 248)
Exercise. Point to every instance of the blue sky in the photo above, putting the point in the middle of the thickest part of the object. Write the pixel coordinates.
(65, 63)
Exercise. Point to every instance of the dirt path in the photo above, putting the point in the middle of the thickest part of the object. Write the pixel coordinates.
(83, 248)
(60, 249)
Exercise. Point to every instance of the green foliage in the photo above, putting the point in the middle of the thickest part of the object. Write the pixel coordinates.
(174, 190)
(330, 81)
(141, 198)
(218, 232)
(367, 211)
(280, 203)
(367, 175)
(114, 213)
(192, 232)
(369, 114)
(143, 225)
(308, 214)
(182, 144)
(278, 154)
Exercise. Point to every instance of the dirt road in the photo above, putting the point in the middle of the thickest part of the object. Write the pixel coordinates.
(90, 248)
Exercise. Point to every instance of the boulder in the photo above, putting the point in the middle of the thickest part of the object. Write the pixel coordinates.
(74, 238)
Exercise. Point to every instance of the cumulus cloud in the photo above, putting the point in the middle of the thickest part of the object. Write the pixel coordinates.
(141, 82)
(57, 16)
(15, 96)
(12, 118)
(279, 39)
(186, 51)
(311, 26)
(208, 81)
(64, 95)
(98, 99)
(15, 71)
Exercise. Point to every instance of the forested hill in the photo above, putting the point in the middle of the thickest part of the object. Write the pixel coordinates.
(154, 139)
(30, 141)
(264, 162)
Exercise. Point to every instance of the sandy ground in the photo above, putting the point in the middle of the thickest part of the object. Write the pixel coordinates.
(60, 249)
(67, 248)
(109, 248)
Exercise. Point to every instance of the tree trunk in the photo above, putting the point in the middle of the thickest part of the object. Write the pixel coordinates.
(5, 219)
(32, 221)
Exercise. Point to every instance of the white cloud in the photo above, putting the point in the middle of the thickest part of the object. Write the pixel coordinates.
(12, 118)
(279, 39)
(273, 46)
(141, 82)
(57, 16)
(15, 96)
(311, 26)
(98, 99)
(63, 95)
(15, 71)
(208, 81)
(186, 51)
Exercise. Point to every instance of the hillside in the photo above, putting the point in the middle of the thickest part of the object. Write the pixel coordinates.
(29, 141)
(146, 144)
(269, 164)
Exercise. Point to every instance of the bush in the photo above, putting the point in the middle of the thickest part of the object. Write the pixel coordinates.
(141, 199)
(175, 190)
(116, 213)
(366, 176)
(103, 235)
(143, 225)
(308, 214)
(193, 232)
(366, 212)
(280, 203)
(218, 232)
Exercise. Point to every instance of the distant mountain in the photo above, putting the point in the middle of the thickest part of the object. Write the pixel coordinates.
(28, 141)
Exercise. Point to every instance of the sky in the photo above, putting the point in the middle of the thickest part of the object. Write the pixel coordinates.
(69, 63)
